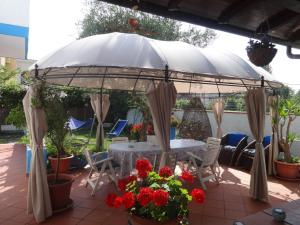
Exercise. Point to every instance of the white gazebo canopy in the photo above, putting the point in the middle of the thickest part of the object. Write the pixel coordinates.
(133, 62)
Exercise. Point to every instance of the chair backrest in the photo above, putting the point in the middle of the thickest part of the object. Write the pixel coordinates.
(213, 149)
(118, 127)
(89, 159)
(119, 139)
(173, 160)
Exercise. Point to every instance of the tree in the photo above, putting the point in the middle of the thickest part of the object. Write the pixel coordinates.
(105, 18)
(11, 95)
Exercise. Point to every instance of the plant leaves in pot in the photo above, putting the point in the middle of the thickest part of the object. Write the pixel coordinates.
(59, 182)
(261, 53)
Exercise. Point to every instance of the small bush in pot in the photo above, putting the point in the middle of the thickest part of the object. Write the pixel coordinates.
(287, 167)
(59, 183)
(158, 197)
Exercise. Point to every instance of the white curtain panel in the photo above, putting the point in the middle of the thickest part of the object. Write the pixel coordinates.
(256, 108)
(218, 109)
(161, 100)
(96, 105)
(274, 150)
(38, 197)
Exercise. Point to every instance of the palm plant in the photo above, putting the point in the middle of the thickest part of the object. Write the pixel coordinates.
(288, 111)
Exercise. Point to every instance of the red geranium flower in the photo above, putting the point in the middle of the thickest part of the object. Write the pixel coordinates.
(110, 199)
(144, 167)
(160, 197)
(122, 183)
(165, 172)
(198, 195)
(145, 196)
(128, 200)
(118, 202)
(187, 176)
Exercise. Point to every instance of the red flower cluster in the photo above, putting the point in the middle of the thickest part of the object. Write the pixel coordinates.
(136, 128)
(115, 201)
(122, 183)
(187, 176)
(198, 195)
(128, 200)
(145, 196)
(160, 197)
(165, 172)
(144, 167)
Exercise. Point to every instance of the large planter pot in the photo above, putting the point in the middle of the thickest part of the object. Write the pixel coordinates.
(136, 220)
(287, 170)
(64, 163)
(60, 192)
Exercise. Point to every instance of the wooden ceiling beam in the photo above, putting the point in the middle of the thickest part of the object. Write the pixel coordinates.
(275, 21)
(237, 7)
(295, 36)
(173, 5)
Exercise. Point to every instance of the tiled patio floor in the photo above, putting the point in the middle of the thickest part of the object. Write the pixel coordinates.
(224, 203)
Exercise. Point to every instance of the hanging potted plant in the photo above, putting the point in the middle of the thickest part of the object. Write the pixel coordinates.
(261, 53)
(288, 166)
(59, 182)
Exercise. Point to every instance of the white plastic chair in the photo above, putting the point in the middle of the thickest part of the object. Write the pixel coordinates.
(206, 163)
(100, 163)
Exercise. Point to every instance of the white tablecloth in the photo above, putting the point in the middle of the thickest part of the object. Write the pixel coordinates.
(127, 152)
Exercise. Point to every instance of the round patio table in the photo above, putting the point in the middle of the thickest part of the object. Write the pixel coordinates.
(125, 153)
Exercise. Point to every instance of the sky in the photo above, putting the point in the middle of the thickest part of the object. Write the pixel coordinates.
(54, 23)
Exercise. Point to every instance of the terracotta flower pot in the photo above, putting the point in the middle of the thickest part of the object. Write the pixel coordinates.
(136, 220)
(60, 192)
(64, 163)
(287, 170)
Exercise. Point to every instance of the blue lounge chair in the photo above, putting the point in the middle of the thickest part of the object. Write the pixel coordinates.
(75, 124)
(118, 128)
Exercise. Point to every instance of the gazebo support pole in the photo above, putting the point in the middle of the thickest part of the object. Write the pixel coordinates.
(166, 73)
(262, 81)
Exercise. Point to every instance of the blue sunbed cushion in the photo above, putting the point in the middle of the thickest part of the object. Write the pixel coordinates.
(266, 140)
(235, 138)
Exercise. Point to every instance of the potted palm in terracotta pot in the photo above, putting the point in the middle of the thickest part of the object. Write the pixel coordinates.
(288, 166)
(59, 183)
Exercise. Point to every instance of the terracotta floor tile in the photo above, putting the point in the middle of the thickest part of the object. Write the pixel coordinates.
(234, 214)
(99, 215)
(78, 212)
(206, 220)
(213, 211)
(89, 203)
(11, 222)
(234, 206)
(10, 212)
(22, 217)
(214, 203)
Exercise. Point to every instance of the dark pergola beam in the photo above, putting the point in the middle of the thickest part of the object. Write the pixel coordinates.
(237, 7)
(295, 36)
(276, 21)
(194, 19)
(173, 5)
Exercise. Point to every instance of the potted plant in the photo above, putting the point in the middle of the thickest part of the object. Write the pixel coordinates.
(135, 132)
(59, 182)
(288, 167)
(261, 53)
(153, 198)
